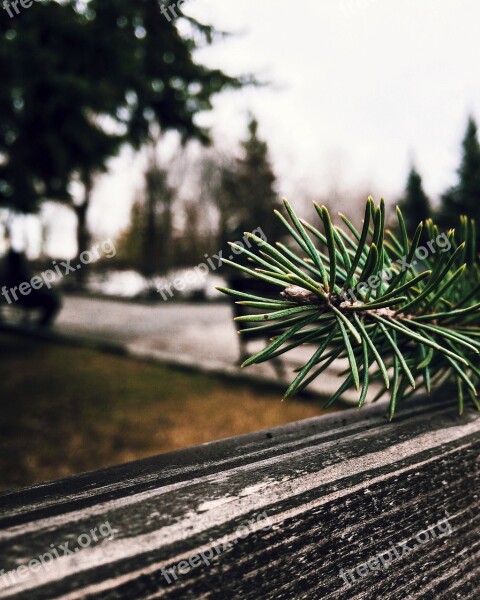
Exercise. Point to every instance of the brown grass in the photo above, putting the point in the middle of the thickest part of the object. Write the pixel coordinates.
(68, 410)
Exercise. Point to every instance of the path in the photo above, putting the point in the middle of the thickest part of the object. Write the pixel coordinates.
(196, 335)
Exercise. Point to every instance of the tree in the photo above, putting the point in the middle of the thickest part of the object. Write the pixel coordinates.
(147, 245)
(192, 243)
(129, 243)
(81, 79)
(157, 238)
(44, 136)
(464, 197)
(247, 193)
(415, 204)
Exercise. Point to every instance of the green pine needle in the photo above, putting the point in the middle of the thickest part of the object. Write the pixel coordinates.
(405, 313)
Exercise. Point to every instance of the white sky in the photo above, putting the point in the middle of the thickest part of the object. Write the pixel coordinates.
(368, 85)
(361, 88)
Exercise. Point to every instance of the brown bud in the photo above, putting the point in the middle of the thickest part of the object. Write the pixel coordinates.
(299, 295)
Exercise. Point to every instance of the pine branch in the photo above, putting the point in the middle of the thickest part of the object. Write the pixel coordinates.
(404, 315)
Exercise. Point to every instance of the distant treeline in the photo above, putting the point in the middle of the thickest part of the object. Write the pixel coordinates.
(234, 195)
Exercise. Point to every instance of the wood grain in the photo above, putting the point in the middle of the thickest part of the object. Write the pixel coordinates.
(337, 491)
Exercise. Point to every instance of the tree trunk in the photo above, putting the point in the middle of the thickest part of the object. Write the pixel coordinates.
(83, 235)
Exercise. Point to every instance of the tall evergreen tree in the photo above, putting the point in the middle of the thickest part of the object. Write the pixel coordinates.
(157, 238)
(129, 242)
(147, 244)
(248, 194)
(464, 197)
(415, 204)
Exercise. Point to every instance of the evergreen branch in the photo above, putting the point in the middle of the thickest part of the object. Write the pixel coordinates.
(416, 314)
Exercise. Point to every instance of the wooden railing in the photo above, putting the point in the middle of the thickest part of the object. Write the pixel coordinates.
(347, 505)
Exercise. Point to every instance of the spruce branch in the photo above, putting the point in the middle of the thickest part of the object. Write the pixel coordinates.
(404, 315)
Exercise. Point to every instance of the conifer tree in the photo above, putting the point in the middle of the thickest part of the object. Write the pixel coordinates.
(464, 197)
(148, 242)
(248, 196)
(415, 204)
(157, 237)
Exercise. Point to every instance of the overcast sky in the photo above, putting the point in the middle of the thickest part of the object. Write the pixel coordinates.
(361, 88)
(368, 85)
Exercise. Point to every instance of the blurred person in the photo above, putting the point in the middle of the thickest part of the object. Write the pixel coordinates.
(17, 272)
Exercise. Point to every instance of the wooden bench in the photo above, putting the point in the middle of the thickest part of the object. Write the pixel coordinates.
(301, 511)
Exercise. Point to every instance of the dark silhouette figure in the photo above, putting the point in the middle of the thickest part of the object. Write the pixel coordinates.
(17, 289)
(252, 286)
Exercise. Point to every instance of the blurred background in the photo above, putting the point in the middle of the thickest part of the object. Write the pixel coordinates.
(137, 138)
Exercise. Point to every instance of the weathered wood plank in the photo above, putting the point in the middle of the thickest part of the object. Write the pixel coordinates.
(308, 499)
